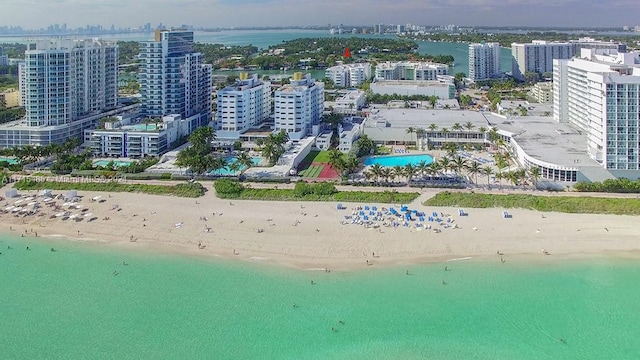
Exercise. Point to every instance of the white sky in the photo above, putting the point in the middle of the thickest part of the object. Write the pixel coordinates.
(227, 13)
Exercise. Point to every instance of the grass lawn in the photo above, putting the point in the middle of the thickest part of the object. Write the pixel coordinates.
(321, 157)
(566, 204)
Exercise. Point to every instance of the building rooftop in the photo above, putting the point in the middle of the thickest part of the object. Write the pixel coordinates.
(545, 139)
(416, 118)
(540, 137)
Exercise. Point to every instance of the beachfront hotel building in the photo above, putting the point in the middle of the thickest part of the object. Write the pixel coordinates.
(598, 92)
(538, 56)
(298, 106)
(174, 79)
(242, 106)
(410, 71)
(66, 87)
(484, 61)
(349, 74)
(126, 138)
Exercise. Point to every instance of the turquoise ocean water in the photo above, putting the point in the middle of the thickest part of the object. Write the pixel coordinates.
(266, 38)
(69, 304)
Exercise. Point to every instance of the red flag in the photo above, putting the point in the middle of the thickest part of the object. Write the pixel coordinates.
(347, 54)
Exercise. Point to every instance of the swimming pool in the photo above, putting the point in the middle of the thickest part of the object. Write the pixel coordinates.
(115, 162)
(11, 161)
(401, 160)
(227, 172)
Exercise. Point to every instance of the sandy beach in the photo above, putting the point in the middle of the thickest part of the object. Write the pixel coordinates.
(316, 235)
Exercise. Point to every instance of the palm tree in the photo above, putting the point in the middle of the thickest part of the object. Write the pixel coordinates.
(474, 169)
(511, 176)
(444, 132)
(376, 171)
(445, 164)
(409, 171)
(432, 127)
(219, 164)
(398, 170)
(535, 174)
(451, 149)
(244, 160)
(336, 161)
(333, 121)
(482, 131)
(410, 131)
(468, 125)
(368, 175)
(488, 171)
(235, 167)
(458, 164)
(422, 167)
(386, 174)
(499, 176)
(457, 128)
(433, 100)
(351, 164)
(435, 168)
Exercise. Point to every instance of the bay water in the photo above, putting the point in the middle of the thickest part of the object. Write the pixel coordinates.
(265, 38)
(97, 301)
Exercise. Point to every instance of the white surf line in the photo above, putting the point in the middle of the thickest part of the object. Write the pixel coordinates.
(460, 259)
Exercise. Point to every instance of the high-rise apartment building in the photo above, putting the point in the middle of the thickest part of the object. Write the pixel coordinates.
(298, 106)
(4, 58)
(67, 79)
(67, 85)
(22, 81)
(599, 92)
(538, 56)
(349, 74)
(242, 106)
(173, 78)
(484, 61)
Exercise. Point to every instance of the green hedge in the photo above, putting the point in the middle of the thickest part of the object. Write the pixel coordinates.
(565, 204)
(182, 190)
(228, 189)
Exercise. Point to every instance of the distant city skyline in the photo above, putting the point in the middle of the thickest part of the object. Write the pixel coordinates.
(35, 14)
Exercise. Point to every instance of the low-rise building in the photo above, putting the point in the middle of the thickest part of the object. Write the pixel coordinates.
(128, 138)
(20, 133)
(351, 102)
(11, 98)
(410, 71)
(323, 140)
(444, 87)
(349, 132)
(542, 92)
(349, 74)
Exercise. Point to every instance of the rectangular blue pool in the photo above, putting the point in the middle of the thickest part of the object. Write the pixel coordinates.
(227, 172)
(115, 163)
(398, 160)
